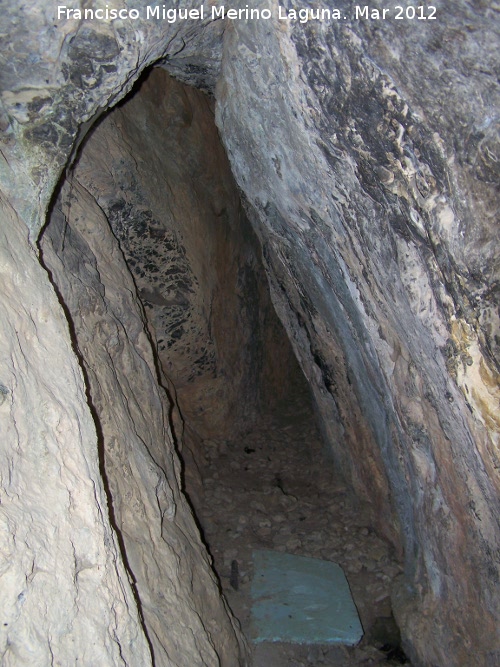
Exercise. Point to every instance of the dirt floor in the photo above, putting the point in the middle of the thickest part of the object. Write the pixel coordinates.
(275, 488)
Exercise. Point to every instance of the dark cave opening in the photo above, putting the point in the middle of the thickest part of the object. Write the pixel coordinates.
(256, 468)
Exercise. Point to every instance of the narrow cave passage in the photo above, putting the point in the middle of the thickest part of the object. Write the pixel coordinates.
(255, 467)
(274, 487)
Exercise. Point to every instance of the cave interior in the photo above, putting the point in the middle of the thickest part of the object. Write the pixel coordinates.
(250, 303)
(257, 466)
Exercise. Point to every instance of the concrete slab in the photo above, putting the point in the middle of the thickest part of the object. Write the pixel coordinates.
(301, 600)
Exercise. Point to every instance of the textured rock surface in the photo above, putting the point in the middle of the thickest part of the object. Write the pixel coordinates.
(348, 152)
(368, 153)
(59, 74)
(158, 170)
(282, 471)
(65, 596)
(184, 616)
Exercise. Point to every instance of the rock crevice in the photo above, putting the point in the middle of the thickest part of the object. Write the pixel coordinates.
(158, 534)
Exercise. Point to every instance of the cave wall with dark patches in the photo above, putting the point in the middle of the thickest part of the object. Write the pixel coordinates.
(158, 170)
(367, 153)
(63, 73)
(160, 542)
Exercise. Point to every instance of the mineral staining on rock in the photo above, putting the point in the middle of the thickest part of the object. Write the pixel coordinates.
(173, 206)
(366, 151)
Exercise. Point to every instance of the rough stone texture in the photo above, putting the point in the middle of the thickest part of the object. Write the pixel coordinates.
(185, 619)
(384, 268)
(368, 153)
(282, 471)
(65, 596)
(58, 75)
(159, 172)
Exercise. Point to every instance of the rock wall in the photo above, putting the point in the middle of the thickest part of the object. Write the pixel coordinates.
(185, 619)
(368, 153)
(158, 170)
(362, 149)
(64, 72)
(159, 173)
(65, 594)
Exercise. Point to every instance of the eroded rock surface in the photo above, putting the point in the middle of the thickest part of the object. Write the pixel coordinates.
(368, 154)
(350, 160)
(159, 172)
(63, 72)
(65, 594)
(160, 541)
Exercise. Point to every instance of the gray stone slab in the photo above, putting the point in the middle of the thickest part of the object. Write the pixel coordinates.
(301, 600)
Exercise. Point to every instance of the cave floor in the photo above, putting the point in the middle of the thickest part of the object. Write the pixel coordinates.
(275, 488)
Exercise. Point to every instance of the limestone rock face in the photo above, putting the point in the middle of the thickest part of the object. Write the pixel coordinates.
(362, 150)
(368, 155)
(65, 595)
(63, 72)
(160, 541)
(159, 172)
